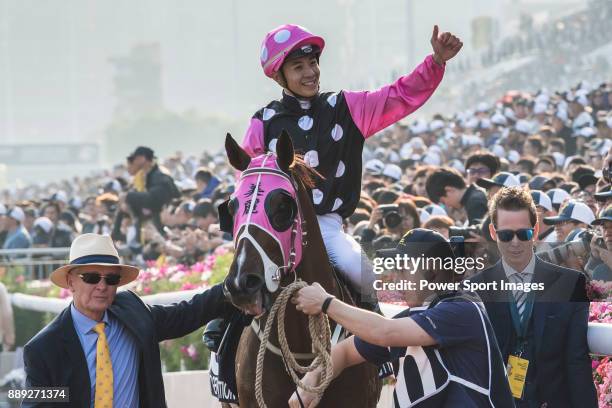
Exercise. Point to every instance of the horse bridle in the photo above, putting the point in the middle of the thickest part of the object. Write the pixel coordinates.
(273, 272)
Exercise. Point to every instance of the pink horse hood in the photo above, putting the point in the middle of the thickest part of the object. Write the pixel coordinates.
(251, 193)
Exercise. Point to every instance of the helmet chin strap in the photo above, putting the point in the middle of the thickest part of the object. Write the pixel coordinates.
(285, 86)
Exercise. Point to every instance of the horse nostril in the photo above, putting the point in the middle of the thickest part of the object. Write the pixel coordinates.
(251, 283)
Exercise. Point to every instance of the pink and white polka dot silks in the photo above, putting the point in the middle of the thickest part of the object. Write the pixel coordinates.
(280, 42)
(251, 193)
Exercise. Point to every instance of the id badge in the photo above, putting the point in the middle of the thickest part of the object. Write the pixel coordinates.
(517, 374)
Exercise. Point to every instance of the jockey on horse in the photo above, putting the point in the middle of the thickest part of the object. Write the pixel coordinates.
(330, 128)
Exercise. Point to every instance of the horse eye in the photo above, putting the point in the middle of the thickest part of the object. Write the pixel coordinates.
(280, 209)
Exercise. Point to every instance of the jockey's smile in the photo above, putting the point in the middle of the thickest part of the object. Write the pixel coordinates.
(300, 76)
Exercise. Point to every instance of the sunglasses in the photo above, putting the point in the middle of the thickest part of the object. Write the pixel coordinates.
(94, 278)
(479, 170)
(523, 234)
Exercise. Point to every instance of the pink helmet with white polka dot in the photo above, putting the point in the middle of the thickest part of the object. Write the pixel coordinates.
(283, 40)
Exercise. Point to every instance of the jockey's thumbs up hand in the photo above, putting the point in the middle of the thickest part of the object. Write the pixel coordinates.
(445, 45)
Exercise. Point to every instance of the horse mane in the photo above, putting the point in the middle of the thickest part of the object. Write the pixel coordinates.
(304, 173)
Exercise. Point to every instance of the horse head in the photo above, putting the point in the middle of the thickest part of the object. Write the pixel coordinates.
(263, 215)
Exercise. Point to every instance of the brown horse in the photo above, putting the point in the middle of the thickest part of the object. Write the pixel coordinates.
(251, 285)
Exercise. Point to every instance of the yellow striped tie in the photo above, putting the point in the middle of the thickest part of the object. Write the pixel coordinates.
(104, 371)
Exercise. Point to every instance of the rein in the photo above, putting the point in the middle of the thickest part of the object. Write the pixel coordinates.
(320, 334)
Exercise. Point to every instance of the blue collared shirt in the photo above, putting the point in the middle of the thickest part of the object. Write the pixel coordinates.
(124, 356)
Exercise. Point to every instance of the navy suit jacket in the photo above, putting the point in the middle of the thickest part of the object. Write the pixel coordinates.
(55, 358)
(560, 321)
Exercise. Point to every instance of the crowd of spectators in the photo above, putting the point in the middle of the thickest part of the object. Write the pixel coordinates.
(438, 174)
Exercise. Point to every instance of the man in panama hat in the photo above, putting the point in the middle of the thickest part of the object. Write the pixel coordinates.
(104, 346)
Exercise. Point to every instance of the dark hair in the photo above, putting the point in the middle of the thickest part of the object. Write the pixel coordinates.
(373, 185)
(422, 171)
(513, 199)
(385, 196)
(360, 214)
(582, 170)
(486, 158)
(51, 204)
(557, 142)
(528, 163)
(568, 186)
(441, 178)
(204, 208)
(537, 142)
(408, 206)
(547, 159)
(203, 174)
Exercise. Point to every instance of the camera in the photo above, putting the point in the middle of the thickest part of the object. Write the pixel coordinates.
(578, 248)
(465, 232)
(607, 174)
(391, 215)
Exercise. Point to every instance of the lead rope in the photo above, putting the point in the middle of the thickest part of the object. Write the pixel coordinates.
(320, 334)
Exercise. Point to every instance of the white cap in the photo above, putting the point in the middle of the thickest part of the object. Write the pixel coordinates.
(420, 126)
(435, 125)
(583, 100)
(514, 156)
(2, 209)
(471, 140)
(393, 171)
(45, 223)
(498, 150)
(457, 165)
(432, 158)
(76, 202)
(509, 113)
(539, 108)
(429, 211)
(584, 119)
(585, 132)
(482, 107)
(374, 166)
(499, 119)
(485, 123)
(416, 142)
(562, 115)
(559, 158)
(17, 214)
(61, 196)
(471, 123)
(574, 211)
(542, 99)
(523, 126)
(542, 199)
(609, 121)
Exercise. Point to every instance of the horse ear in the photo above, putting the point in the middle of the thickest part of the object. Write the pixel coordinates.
(238, 158)
(284, 151)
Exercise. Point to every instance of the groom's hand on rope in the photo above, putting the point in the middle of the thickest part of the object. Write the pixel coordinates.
(310, 299)
(445, 45)
(307, 398)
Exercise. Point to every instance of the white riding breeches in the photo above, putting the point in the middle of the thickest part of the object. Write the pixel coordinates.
(346, 254)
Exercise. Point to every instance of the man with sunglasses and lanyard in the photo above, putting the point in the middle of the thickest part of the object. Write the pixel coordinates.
(542, 334)
(104, 346)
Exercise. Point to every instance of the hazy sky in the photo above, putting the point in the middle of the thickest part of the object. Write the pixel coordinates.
(56, 82)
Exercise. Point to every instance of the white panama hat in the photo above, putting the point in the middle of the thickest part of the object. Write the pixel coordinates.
(93, 249)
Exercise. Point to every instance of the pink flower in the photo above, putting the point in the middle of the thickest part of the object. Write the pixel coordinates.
(146, 290)
(192, 352)
(594, 364)
(20, 279)
(65, 293)
(188, 286)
